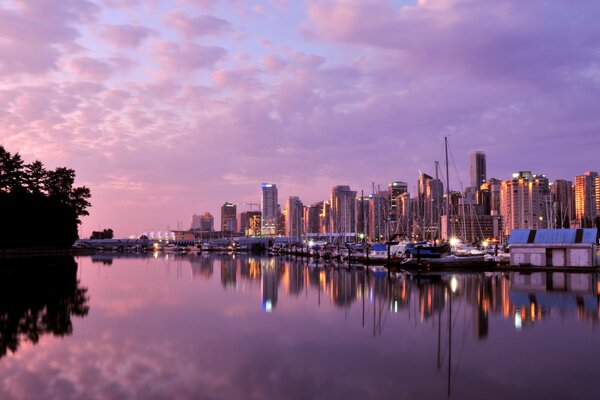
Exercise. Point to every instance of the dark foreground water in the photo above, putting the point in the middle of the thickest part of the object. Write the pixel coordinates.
(244, 327)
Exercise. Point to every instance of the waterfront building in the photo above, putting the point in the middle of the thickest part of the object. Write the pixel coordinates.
(343, 209)
(270, 212)
(471, 227)
(587, 198)
(253, 223)
(378, 217)
(525, 202)
(395, 189)
(242, 222)
(203, 223)
(430, 206)
(294, 217)
(478, 169)
(362, 214)
(229, 217)
(404, 208)
(325, 218)
(280, 228)
(313, 223)
(554, 247)
(488, 197)
(433, 207)
(563, 203)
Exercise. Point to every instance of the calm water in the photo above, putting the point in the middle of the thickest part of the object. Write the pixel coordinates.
(245, 327)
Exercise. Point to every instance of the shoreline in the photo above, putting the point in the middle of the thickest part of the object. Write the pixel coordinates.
(42, 252)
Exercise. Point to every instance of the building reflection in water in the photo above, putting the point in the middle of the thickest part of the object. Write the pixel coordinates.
(524, 298)
(271, 276)
(202, 266)
(38, 296)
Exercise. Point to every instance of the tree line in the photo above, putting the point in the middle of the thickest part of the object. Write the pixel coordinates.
(38, 207)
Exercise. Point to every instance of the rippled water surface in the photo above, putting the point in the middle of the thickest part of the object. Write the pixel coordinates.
(249, 327)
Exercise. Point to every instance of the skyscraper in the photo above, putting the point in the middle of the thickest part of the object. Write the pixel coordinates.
(563, 203)
(525, 202)
(315, 212)
(343, 209)
(587, 198)
(294, 221)
(378, 204)
(395, 189)
(430, 205)
(478, 169)
(204, 222)
(229, 217)
(270, 212)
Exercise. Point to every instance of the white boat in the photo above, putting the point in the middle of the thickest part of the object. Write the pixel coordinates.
(193, 249)
(173, 248)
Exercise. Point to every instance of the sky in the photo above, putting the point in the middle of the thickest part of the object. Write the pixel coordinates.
(169, 108)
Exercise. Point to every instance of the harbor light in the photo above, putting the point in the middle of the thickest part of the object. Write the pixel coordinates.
(454, 241)
(485, 244)
(453, 284)
(518, 321)
(311, 243)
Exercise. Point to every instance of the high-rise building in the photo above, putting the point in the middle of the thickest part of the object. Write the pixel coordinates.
(229, 217)
(488, 197)
(403, 224)
(315, 212)
(294, 217)
(395, 189)
(253, 223)
(280, 229)
(242, 222)
(377, 229)
(204, 222)
(587, 198)
(430, 206)
(343, 209)
(362, 214)
(478, 168)
(525, 202)
(325, 218)
(270, 213)
(563, 203)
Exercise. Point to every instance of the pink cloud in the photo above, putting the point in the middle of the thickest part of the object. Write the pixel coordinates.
(244, 79)
(272, 63)
(188, 56)
(196, 26)
(127, 36)
(33, 35)
(90, 68)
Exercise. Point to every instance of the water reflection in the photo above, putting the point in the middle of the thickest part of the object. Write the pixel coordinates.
(524, 298)
(38, 296)
(248, 327)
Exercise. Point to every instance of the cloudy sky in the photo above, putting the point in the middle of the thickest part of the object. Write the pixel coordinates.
(169, 108)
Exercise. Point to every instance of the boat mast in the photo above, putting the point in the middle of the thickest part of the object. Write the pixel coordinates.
(447, 191)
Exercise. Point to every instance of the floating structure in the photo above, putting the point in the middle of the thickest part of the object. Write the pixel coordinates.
(554, 247)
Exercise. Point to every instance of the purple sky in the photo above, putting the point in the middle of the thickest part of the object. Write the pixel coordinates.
(169, 108)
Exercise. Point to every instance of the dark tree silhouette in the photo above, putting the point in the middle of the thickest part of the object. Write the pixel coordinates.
(103, 234)
(38, 208)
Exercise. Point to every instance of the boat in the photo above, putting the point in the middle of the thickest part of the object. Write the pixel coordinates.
(424, 250)
(193, 249)
(446, 260)
(173, 248)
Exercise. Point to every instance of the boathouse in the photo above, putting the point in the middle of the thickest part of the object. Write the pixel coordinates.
(554, 247)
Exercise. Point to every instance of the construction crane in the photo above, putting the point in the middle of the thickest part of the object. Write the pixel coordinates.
(249, 204)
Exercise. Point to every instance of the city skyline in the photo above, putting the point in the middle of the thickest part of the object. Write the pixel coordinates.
(169, 108)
